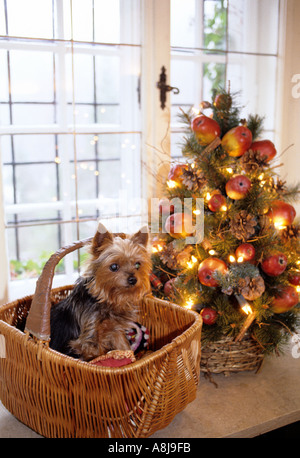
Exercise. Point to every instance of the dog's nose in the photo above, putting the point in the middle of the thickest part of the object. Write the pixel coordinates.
(132, 280)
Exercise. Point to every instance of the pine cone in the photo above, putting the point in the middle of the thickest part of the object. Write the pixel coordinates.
(193, 179)
(251, 161)
(290, 233)
(242, 225)
(279, 187)
(168, 256)
(251, 288)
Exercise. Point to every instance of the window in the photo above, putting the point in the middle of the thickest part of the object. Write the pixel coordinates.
(219, 41)
(79, 108)
(69, 122)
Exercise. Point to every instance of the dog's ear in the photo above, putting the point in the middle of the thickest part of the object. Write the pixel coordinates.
(102, 235)
(141, 236)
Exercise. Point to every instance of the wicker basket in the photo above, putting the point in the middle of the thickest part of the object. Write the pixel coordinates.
(226, 356)
(58, 396)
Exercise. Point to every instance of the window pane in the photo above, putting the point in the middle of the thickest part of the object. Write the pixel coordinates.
(32, 77)
(5, 148)
(2, 18)
(22, 18)
(35, 246)
(36, 183)
(108, 72)
(213, 78)
(32, 114)
(253, 25)
(83, 78)
(107, 21)
(184, 30)
(254, 77)
(8, 189)
(4, 94)
(34, 148)
(215, 18)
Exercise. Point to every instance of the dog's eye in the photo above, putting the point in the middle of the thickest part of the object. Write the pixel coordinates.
(114, 267)
(137, 265)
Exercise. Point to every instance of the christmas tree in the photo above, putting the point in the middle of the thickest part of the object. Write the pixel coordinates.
(244, 276)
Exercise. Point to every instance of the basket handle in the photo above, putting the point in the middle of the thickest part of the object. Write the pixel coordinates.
(38, 319)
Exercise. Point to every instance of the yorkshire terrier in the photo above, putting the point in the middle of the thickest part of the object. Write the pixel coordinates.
(95, 317)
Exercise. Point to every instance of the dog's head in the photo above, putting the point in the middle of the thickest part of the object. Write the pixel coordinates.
(120, 266)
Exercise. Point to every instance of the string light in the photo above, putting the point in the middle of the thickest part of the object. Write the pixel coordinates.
(279, 224)
(212, 252)
(191, 263)
(157, 248)
(247, 309)
(189, 303)
(231, 258)
(223, 208)
(171, 184)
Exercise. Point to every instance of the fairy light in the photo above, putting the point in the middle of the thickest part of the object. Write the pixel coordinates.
(261, 177)
(231, 258)
(279, 224)
(247, 309)
(298, 289)
(189, 303)
(157, 248)
(171, 184)
(196, 212)
(229, 170)
(208, 196)
(240, 259)
(223, 208)
(212, 252)
(191, 263)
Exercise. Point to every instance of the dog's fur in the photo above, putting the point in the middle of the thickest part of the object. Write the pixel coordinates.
(94, 318)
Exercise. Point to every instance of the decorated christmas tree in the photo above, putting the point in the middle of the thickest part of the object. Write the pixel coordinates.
(244, 275)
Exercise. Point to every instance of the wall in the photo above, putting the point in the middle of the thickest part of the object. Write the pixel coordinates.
(289, 106)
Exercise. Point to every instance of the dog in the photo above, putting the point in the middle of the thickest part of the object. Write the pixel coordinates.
(95, 317)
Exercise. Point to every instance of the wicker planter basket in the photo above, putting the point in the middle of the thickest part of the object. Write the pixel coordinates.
(226, 356)
(58, 396)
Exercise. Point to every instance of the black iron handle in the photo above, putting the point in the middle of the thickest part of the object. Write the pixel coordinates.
(164, 88)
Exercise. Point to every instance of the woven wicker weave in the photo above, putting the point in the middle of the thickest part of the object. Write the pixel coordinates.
(226, 356)
(58, 396)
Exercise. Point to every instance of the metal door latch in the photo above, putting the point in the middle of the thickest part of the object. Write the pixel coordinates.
(164, 88)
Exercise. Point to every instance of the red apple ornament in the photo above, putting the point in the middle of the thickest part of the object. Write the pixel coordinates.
(294, 279)
(286, 299)
(237, 141)
(274, 265)
(169, 287)
(266, 149)
(165, 207)
(216, 201)
(237, 187)
(205, 129)
(246, 251)
(207, 269)
(179, 225)
(209, 316)
(281, 213)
